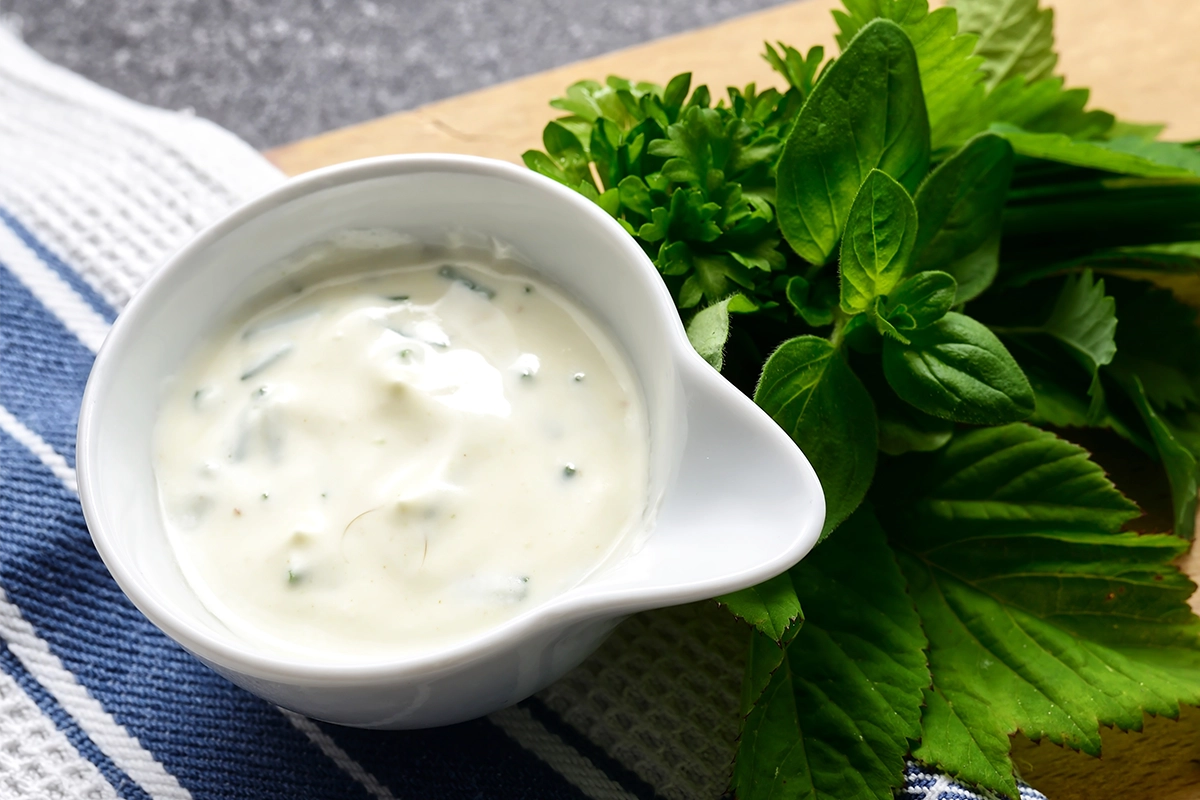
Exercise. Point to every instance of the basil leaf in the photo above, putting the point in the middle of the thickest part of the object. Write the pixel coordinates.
(920, 301)
(866, 112)
(957, 369)
(881, 230)
(960, 206)
(708, 330)
(833, 711)
(808, 388)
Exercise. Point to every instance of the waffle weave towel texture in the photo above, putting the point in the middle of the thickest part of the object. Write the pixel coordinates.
(95, 191)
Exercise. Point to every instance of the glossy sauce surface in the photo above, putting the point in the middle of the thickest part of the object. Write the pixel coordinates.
(389, 462)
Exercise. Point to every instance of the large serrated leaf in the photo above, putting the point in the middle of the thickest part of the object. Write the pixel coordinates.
(1084, 320)
(1152, 160)
(1015, 37)
(839, 704)
(808, 388)
(772, 607)
(866, 112)
(1041, 615)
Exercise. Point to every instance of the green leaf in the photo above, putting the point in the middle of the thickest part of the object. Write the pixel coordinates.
(902, 428)
(1177, 459)
(676, 93)
(952, 82)
(1146, 162)
(960, 206)
(1015, 37)
(564, 147)
(867, 112)
(772, 607)
(809, 304)
(920, 300)
(841, 701)
(798, 70)
(881, 230)
(1041, 615)
(1085, 320)
(957, 369)
(708, 330)
(542, 164)
(808, 388)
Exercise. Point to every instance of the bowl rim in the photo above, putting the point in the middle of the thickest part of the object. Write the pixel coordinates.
(563, 609)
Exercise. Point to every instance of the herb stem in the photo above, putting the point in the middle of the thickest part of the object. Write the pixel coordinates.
(840, 318)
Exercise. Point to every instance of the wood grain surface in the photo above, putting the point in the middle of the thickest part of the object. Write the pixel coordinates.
(1142, 62)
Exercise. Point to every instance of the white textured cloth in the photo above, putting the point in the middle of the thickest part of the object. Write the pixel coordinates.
(110, 185)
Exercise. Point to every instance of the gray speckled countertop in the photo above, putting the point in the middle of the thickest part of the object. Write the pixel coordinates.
(278, 70)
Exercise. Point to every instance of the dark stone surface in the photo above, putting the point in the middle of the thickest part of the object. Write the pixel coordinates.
(278, 70)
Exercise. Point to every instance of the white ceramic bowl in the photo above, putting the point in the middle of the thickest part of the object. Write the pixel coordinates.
(737, 501)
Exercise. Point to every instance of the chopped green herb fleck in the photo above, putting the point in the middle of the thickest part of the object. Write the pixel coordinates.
(453, 274)
(578, 376)
(398, 298)
(569, 471)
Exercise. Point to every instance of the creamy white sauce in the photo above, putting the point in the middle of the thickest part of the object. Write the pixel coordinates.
(392, 461)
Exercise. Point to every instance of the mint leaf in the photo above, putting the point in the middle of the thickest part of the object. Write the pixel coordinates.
(881, 229)
(1178, 460)
(957, 369)
(1015, 37)
(772, 607)
(920, 300)
(1041, 616)
(867, 112)
(959, 207)
(1148, 161)
(808, 388)
(708, 330)
(841, 701)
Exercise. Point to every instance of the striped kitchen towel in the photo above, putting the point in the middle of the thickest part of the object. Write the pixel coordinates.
(95, 190)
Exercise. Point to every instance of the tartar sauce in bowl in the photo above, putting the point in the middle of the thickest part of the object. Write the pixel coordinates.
(391, 460)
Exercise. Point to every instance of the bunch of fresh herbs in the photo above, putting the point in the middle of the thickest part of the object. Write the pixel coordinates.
(936, 269)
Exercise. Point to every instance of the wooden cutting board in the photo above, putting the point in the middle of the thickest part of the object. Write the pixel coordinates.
(1143, 64)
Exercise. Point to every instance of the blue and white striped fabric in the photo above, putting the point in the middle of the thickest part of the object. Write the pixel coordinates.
(94, 701)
